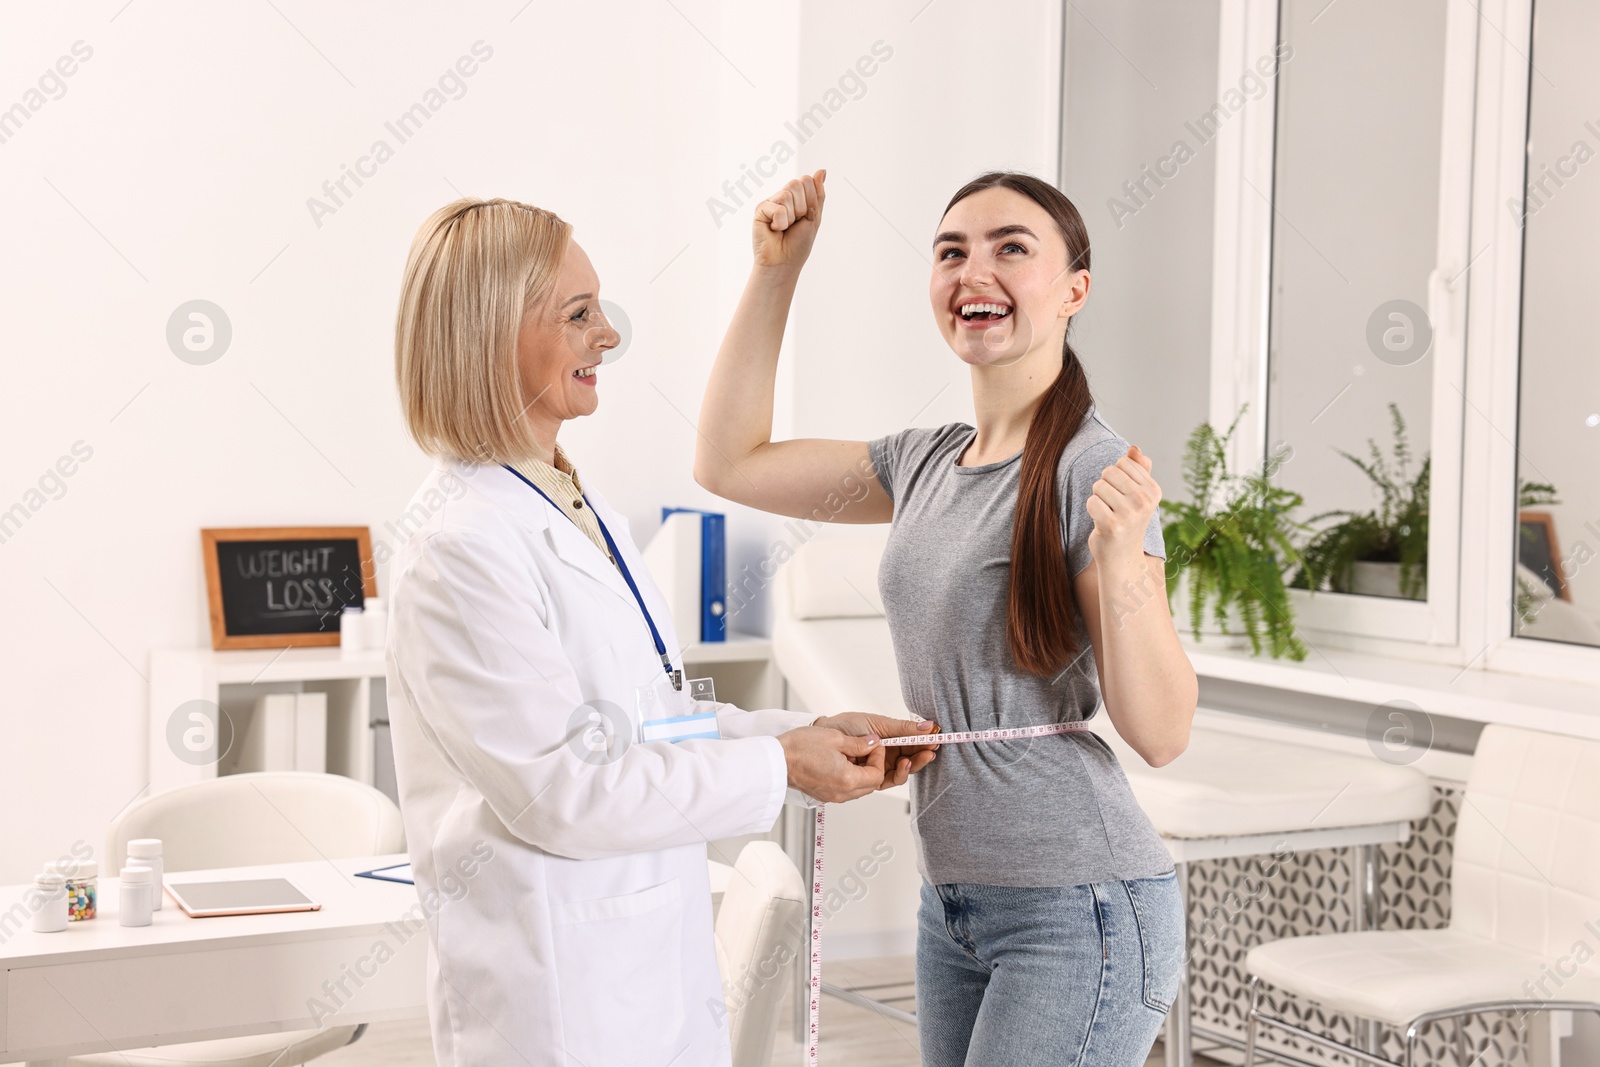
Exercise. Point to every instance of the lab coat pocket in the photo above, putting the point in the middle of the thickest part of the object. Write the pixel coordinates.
(618, 962)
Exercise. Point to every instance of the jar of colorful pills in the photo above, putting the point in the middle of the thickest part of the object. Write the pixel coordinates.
(82, 885)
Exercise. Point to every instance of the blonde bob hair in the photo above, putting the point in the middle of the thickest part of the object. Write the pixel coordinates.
(475, 269)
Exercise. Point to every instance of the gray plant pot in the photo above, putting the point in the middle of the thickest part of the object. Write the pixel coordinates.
(1380, 579)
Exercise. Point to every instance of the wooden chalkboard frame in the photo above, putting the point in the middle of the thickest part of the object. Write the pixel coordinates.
(211, 538)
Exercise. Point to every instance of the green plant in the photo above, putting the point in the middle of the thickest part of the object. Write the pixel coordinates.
(1530, 495)
(1233, 541)
(1396, 532)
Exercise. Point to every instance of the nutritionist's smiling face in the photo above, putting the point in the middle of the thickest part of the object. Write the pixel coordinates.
(560, 345)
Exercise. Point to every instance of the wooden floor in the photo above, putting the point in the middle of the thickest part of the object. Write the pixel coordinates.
(850, 1035)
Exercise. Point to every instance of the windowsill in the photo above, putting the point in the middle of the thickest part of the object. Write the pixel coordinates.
(1448, 691)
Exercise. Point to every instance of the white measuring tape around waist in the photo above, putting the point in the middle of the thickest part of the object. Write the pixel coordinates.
(814, 1006)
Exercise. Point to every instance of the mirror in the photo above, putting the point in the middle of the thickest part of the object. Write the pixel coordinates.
(1556, 575)
(1356, 188)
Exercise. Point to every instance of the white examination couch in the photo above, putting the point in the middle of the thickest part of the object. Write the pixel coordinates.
(1228, 795)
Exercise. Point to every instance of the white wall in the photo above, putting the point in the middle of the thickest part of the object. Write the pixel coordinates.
(941, 110)
(177, 165)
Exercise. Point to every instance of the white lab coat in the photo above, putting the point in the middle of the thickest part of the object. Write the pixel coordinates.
(586, 939)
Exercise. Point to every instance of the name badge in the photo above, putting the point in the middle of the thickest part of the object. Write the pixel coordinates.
(670, 714)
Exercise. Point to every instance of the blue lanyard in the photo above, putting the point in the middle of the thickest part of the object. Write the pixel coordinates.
(622, 565)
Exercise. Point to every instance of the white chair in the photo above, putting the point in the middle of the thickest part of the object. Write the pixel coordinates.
(758, 934)
(240, 820)
(1525, 885)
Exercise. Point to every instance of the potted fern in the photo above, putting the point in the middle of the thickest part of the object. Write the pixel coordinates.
(1230, 545)
(1382, 552)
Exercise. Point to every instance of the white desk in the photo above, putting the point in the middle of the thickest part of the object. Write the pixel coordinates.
(99, 986)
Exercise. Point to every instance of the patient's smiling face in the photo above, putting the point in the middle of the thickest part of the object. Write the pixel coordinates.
(561, 343)
(1000, 289)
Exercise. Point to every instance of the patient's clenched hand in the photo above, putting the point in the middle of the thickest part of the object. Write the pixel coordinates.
(785, 224)
(905, 760)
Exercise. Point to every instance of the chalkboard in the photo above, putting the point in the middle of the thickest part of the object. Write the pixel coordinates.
(278, 587)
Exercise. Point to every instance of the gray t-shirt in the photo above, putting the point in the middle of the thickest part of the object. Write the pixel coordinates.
(1045, 811)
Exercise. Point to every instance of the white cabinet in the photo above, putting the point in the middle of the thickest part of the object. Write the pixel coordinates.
(200, 699)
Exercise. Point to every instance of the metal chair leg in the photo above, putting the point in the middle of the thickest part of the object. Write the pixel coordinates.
(1250, 1022)
(1366, 914)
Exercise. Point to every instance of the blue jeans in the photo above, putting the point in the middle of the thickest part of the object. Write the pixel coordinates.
(1007, 976)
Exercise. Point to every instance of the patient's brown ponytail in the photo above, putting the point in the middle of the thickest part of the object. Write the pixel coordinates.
(1039, 609)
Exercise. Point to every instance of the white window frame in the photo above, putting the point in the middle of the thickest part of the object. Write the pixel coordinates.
(1239, 342)
(1495, 352)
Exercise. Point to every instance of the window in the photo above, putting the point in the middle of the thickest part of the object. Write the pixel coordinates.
(1402, 228)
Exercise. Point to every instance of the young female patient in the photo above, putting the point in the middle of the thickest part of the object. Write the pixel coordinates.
(1022, 580)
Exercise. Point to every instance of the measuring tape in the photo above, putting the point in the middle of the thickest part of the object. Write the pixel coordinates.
(814, 1009)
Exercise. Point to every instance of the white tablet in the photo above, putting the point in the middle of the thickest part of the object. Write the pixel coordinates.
(256, 896)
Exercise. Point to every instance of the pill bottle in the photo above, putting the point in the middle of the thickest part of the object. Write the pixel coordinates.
(83, 879)
(49, 902)
(375, 620)
(135, 886)
(146, 852)
(352, 634)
